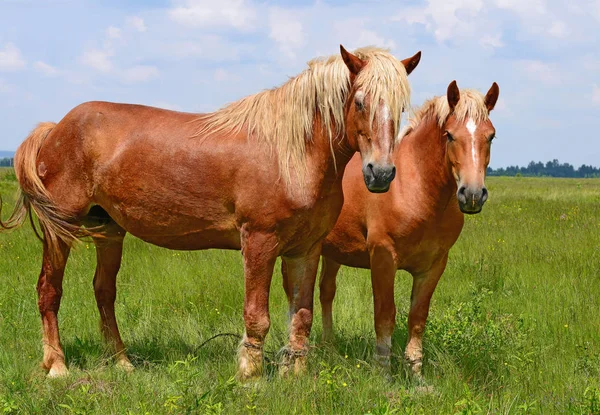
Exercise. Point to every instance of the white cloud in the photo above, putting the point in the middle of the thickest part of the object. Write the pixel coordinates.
(356, 34)
(540, 71)
(369, 37)
(596, 94)
(484, 21)
(447, 19)
(139, 73)
(524, 9)
(541, 17)
(113, 32)
(286, 30)
(491, 41)
(44, 68)
(558, 29)
(11, 58)
(136, 23)
(209, 13)
(98, 59)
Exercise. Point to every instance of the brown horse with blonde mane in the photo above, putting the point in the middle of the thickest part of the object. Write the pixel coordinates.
(442, 160)
(262, 175)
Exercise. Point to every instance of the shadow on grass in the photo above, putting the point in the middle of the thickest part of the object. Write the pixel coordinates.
(149, 352)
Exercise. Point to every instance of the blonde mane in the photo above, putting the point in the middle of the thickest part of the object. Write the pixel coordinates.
(283, 117)
(470, 105)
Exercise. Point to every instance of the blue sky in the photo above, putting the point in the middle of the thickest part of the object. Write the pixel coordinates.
(196, 55)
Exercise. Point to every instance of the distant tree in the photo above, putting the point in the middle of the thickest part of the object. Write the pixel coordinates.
(551, 169)
(6, 162)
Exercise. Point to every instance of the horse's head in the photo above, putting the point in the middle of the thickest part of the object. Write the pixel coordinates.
(469, 141)
(372, 114)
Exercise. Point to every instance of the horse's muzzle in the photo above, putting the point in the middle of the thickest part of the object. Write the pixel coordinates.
(471, 200)
(378, 177)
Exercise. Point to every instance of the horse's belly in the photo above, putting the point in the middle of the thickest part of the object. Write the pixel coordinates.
(170, 223)
(196, 240)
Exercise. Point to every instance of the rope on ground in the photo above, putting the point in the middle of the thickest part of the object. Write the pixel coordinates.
(237, 336)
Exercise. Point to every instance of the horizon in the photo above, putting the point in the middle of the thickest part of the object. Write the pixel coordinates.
(10, 154)
(193, 55)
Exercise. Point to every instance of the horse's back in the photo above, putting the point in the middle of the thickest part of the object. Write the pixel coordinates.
(147, 170)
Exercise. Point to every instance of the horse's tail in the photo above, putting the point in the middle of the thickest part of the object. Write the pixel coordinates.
(33, 196)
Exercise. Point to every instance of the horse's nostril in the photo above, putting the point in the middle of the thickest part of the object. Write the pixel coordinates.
(484, 195)
(370, 167)
(393, 172)
(461, 196)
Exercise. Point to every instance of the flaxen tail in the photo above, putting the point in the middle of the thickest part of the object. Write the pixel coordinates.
(33, 196)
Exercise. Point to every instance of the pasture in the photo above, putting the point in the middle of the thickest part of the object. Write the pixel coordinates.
(514, 325)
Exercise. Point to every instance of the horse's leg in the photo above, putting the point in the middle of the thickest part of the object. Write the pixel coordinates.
(287, 287)
(260, 252)
(108, 255)
(383, 272)
(423, 287)
(301, 277)
(327, 287)
(49, 290)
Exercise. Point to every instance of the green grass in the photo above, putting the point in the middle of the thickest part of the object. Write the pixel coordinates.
(514, 325)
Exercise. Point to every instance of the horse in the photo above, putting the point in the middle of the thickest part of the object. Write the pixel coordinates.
(442, 160)
(261, 175)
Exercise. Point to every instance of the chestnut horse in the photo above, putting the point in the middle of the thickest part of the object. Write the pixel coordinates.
(262, 175)
(442, 160)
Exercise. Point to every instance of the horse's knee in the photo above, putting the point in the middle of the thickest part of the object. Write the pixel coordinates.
(302, 321)
(48, 297)
(257, 323)
(104, 296)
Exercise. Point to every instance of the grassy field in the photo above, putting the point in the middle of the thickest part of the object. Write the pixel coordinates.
(514, 326)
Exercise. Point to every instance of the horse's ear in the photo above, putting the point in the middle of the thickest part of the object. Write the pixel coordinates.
(354, 63)
(453, 95)
(492, 97)
(411, 63)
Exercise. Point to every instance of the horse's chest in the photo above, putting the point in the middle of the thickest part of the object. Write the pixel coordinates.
(313, 222)
(421, 241)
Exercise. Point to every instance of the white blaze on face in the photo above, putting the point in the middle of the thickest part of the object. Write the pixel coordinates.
(360, 97)
(385, 113)
(471, 127)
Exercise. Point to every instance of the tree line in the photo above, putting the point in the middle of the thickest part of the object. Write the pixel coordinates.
(551, 169)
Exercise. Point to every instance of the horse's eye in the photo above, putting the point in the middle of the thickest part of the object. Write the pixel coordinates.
(359, 104)
(449, 136)
(492, 137)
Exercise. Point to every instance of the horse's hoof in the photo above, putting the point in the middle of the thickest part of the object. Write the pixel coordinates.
(58, 370)
(415, 367)
(250, 364)
(293, 361)
(125, 365)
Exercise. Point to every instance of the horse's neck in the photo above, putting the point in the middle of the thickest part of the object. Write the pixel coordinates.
(329, 156)
(426, 148)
